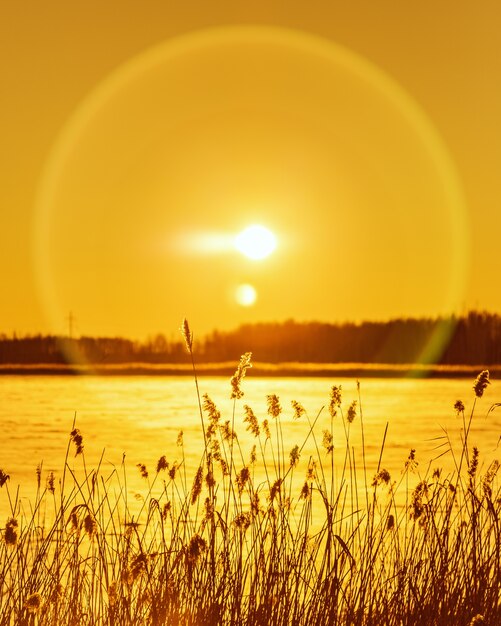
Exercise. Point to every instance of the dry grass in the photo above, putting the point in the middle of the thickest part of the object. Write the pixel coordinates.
(263, 538)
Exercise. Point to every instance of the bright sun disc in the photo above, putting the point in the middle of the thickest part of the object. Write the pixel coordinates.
(256, 242)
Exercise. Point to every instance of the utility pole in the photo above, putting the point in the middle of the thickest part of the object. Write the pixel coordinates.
(71, 320)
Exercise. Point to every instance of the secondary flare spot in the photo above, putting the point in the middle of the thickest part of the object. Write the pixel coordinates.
(246, 295)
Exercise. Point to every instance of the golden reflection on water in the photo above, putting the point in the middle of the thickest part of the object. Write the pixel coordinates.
(140, 417)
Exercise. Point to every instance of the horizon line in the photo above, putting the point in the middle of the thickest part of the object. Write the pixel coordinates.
(403, 318)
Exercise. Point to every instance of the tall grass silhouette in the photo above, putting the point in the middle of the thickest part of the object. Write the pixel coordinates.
(263, 536)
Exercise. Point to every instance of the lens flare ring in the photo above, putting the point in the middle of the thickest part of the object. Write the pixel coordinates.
(353, 65)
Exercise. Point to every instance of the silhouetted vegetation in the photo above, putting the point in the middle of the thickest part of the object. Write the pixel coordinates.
(471, 340)
(286, 538)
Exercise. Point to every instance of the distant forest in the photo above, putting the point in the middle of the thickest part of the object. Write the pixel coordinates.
(468, 340)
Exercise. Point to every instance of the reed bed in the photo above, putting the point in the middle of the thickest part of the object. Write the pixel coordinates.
(262, 536)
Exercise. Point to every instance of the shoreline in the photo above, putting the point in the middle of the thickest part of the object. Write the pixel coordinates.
(325, 370)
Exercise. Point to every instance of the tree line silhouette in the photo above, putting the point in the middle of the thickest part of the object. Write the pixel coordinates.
(471, 339)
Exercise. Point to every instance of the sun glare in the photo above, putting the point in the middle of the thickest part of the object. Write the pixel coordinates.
(303, 149)
(245, 295)
(256, 242)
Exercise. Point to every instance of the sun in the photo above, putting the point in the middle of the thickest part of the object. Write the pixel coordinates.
(256, 242)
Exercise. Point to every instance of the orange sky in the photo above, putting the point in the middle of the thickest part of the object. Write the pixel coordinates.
(139, 138)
